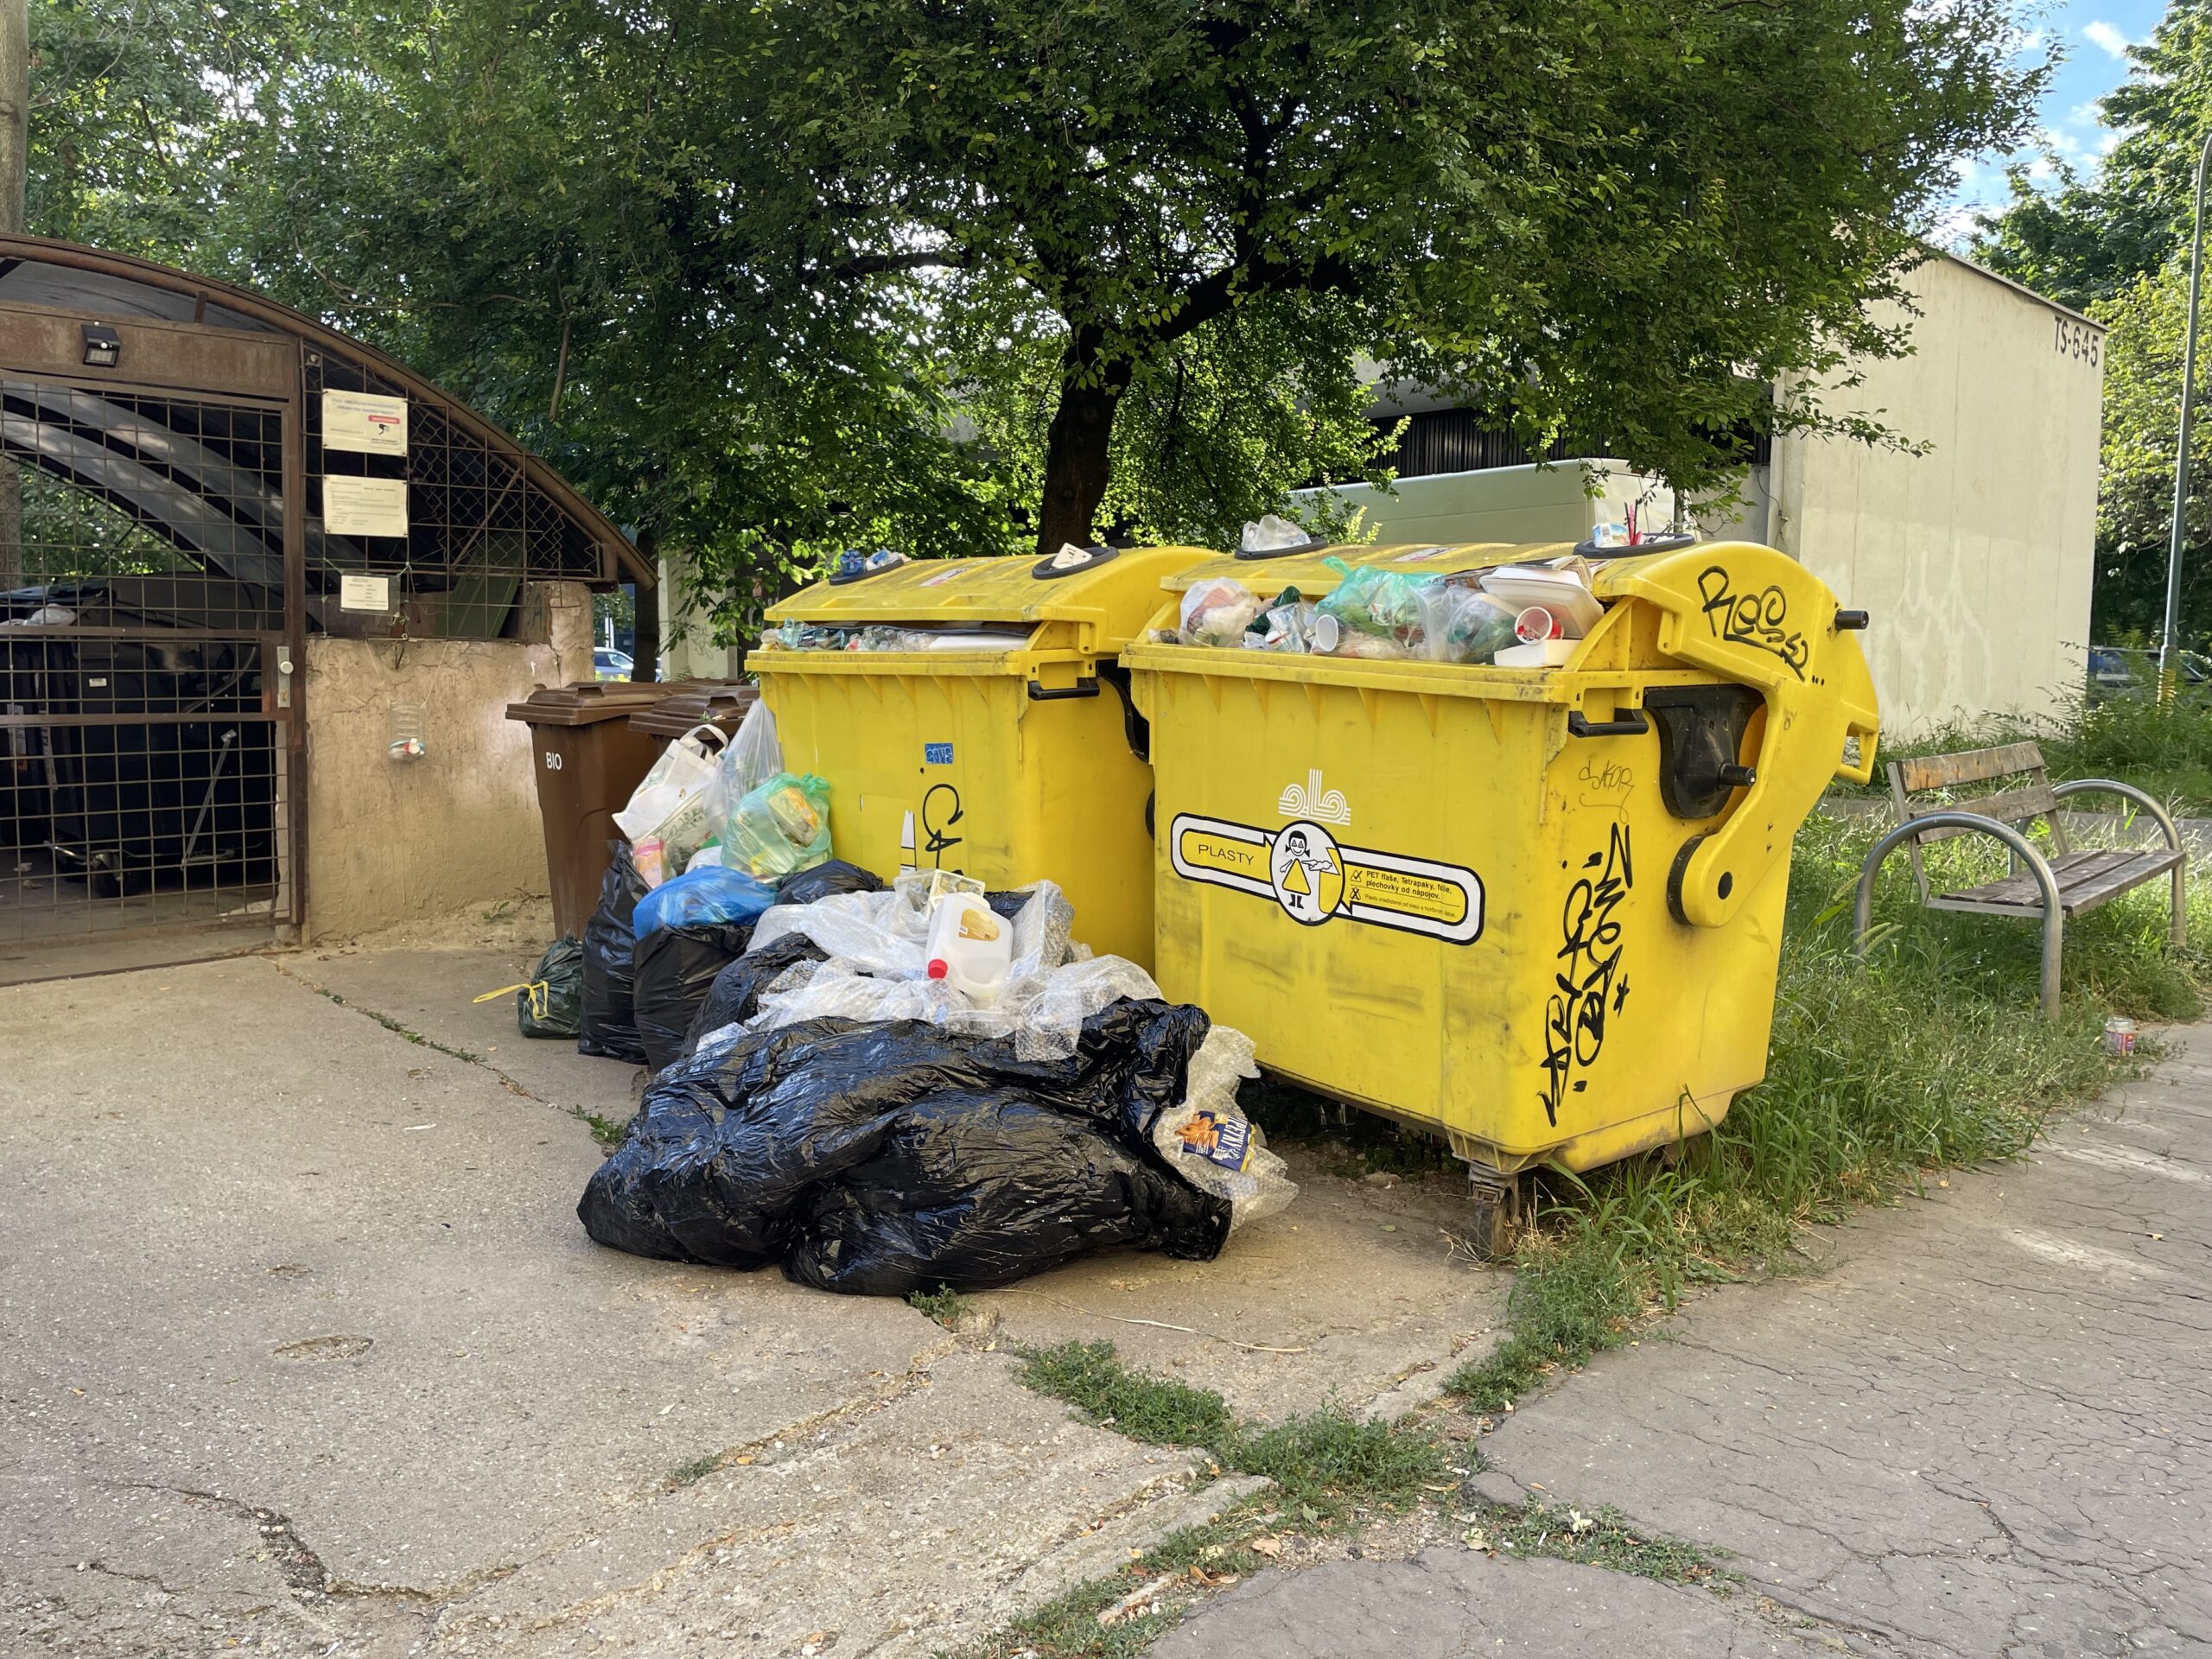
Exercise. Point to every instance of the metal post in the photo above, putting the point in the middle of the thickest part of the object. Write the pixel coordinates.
(2181, 449)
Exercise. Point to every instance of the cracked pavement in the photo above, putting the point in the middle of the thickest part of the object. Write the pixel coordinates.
(302, 1351)
(1984, 1429)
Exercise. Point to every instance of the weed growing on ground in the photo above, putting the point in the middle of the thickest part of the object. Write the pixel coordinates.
(698, 1468)
(607, 1131)
(944, 1305)
(1602, 1537)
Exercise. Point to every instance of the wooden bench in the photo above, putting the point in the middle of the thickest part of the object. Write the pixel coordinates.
(2052, 884)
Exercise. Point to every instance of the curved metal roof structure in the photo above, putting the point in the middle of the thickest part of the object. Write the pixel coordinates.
(484, 508)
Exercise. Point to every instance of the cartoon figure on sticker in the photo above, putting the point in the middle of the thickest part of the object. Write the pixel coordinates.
(1307, 873)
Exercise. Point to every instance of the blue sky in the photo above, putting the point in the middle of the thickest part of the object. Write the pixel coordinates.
(2093, 35)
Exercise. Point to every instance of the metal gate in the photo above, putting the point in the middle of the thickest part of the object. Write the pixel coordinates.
(149, 751)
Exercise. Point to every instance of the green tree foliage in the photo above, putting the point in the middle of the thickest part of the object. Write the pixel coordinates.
(774, 279)
(2089, 240)
(2142, 364)
(1623, 219)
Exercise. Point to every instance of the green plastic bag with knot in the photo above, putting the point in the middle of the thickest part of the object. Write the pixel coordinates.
(780, 827)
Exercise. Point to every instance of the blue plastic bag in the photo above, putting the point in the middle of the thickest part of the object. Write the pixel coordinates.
(706, 894)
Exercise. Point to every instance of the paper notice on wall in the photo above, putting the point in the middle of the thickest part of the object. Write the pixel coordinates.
(364, 506)
(362, 421)
(365, 594)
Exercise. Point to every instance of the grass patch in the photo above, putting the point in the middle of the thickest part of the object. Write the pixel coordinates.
(1602, 1537)
(1927, 1054)
(1157, 1410)
(944, 1305)
(1330, 1471)
(1327, 1465)
(1196, 1560)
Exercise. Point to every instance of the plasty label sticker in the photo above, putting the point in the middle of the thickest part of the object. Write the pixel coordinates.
(1303, 870)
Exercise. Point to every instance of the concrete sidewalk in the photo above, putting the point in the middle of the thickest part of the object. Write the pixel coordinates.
(1985, 1430)
(302, 1350)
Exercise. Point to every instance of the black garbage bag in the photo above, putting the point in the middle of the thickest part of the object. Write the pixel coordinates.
(883, 1159)
(804, 886)
(675, 969)
(609, 1025)
(735, 996)
(550, 1002)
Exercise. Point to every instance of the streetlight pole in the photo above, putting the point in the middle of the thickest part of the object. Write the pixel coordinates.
(2181, 450)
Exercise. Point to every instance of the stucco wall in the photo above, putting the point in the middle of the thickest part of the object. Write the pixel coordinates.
(392, 841)
(1505, 504)
(1975, 558)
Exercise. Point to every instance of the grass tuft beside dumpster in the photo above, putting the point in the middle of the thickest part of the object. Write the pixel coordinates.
(1926, 1055)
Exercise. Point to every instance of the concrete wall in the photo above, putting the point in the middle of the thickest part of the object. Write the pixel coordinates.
(1506, 504)
(1976, 557)
(392, 841)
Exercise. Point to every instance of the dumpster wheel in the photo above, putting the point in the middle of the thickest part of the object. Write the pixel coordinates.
(1494, 1212)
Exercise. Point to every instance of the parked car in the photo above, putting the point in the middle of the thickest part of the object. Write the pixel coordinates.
(2117, 670)
(609, 664)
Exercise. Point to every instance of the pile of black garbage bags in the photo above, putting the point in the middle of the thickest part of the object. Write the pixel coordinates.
(872, 1158)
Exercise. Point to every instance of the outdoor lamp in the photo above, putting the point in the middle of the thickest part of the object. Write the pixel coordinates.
(103, 346)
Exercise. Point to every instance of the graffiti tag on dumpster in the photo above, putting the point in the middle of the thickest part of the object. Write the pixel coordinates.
(1760, 620)
(1589, 987)
(1312, 878)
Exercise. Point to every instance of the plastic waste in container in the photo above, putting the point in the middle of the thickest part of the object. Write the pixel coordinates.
(1537, 910)
(970, 715)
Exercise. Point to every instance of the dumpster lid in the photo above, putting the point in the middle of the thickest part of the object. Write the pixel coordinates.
(586, 702)
(1119, 590)
(697, 703)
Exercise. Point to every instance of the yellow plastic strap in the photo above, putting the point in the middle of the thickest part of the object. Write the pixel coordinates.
(536, 988)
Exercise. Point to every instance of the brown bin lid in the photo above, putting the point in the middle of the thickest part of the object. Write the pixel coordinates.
(697, 703)
(586, 702)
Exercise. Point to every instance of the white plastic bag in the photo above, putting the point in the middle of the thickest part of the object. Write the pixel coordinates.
(1207, 1141)
(1217, 611)
(747, 760)
(686, 766)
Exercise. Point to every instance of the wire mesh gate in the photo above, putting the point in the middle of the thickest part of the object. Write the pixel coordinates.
(149, 759)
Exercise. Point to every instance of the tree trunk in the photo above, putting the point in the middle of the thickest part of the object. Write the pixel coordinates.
(15, 159)
(1078, 457)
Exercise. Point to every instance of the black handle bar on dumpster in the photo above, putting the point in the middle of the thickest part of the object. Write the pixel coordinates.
(1085, 687)
(1633, 725)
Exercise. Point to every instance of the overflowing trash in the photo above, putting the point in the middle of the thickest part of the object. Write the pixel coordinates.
(708, 894)
(877, 1130)
(1511, 615)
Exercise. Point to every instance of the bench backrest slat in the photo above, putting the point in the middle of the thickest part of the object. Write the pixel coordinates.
(2013, 806)
(1967, 766)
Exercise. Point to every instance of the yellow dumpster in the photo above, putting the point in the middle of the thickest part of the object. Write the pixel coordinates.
(1537, 910)
(970, 715)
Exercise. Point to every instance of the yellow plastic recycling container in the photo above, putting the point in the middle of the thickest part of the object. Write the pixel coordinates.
(1538, 910)
(996, 737)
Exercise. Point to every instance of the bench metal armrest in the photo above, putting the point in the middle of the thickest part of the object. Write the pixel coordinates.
(2114, 786)
(2054, 919)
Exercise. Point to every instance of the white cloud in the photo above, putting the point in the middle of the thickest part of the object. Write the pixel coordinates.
(2102, 34)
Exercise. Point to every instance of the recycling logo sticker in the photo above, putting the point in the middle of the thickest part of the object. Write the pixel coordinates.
(1314, 879)
(1307, 873)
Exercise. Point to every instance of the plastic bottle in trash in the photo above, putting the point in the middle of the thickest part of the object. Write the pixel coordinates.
(971, 946)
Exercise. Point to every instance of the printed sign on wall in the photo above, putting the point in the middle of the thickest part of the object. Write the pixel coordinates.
(364, 506)
(364, 422)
